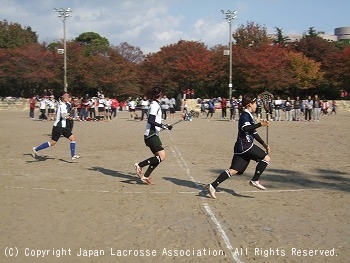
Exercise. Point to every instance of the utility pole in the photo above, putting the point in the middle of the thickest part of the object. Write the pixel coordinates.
(229, 16)
(64, 14)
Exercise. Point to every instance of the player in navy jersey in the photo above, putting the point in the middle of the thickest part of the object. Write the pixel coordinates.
(245, 149)
(63, 126)
(153, 126)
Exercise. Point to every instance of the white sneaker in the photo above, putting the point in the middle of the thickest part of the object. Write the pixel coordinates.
(257, 185)
(211, 190)
(34, 153)
(138, 170)
(76, 157)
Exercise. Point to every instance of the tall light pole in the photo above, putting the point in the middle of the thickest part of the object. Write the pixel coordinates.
(229, 16)
(64, 14)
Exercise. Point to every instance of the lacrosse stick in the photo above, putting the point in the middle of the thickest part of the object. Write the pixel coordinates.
(184, 118)
(266, 97)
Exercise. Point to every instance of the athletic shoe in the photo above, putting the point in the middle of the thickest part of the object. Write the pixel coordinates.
(211, 190)
(257, 185)
(138, 170)
(147, 180)
(76, 157)
(34, 153)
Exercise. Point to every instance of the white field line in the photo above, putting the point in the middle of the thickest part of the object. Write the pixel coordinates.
(167, 192)
(222, 232)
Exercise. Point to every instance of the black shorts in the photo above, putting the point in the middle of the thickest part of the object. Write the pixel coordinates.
(58, 131)
(172, 110)
(154, 143)
(240, 161)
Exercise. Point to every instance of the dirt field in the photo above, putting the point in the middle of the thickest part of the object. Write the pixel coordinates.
(95, 210)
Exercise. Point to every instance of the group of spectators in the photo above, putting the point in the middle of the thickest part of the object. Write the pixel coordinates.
(103, 108)
(278, 109)
(99, 108)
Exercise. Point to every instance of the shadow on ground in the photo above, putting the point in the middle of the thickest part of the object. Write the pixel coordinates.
(130, 179)
(201, 187)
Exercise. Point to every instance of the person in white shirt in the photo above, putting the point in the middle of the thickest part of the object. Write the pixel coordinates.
(172, 108)
(51, 107)
(62, 127)
(132, 109)
(151, 137)
(144, 107)
(108, 108)
(101, 107)
(43, 104)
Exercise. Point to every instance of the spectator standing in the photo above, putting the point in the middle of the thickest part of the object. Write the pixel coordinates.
(115, 105)
(164, 104)
(297, 108)
(288, 109)
(108, 109)
(32, 102)
(172, 107)
(144, 108)
(92, 108)
(223, 104)
(308, 108)
(317, 108)
(51, 103)
(258, 107)
(278, 107)
(43, 103)
(233, 107)
(101, 107)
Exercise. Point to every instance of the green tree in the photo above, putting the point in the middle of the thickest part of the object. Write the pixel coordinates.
(280, 38)
(12, 35)
(251, 35)
(93, 43)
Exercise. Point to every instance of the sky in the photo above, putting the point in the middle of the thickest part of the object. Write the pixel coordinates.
(152, 24)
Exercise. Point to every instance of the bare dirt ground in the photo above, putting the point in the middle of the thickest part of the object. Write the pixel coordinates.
(96, 210)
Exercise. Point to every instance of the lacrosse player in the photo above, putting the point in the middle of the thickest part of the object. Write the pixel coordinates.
(245, 150)
(153, 126)
(62, 126)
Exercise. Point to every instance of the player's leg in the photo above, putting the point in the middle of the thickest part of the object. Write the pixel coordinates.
(263, 160)
(238, 166)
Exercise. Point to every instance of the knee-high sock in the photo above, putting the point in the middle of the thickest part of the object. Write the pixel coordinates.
(260, 168)
(43, 146)
(155, 160)
(152, 162)
(150, 169)
(72, 148)
(222, 177)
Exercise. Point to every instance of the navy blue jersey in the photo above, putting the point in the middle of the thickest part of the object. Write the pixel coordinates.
(244, 139)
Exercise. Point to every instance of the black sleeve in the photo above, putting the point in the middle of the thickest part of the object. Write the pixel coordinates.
(251, 127)
(152, 120)
(258, 138)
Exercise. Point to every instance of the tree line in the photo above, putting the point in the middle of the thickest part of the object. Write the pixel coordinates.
(308, 66)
